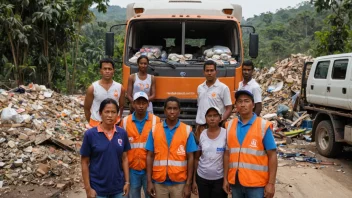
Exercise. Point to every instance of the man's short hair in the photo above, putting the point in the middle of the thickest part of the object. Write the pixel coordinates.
(172, 99)
(209, 62)
(106, 60)
(248, 63)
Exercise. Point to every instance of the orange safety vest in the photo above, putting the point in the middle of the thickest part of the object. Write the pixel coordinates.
(170, 161)
(250, 159)
(137, 156)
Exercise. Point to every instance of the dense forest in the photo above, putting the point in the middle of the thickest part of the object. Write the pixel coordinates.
(58, 43)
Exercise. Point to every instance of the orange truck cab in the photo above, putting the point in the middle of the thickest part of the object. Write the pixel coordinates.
(183, 30)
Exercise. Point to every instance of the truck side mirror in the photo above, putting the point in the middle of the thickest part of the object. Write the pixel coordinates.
(253, 45)
(109, 44)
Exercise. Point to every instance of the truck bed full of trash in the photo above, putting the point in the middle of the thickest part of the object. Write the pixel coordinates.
(40, 136)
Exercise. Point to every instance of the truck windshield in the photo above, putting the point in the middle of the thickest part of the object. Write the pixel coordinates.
(203, 40)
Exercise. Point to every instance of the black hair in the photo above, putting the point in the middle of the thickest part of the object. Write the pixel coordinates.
(142, 56)
(209, 62)
(172, 99)
(106, 60)
(106, 102)
(248, 63)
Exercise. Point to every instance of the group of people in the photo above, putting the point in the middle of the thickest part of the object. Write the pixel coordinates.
(122, 156)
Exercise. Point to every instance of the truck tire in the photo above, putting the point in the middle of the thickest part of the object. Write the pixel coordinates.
(325, 139)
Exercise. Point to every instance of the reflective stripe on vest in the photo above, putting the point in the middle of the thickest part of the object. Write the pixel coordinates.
(249, 166)
(153, 122)
(248, 151)
(125, 122)
(170, 163)
(140, 145)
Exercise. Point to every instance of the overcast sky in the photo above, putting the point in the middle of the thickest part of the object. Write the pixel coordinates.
(250, 7)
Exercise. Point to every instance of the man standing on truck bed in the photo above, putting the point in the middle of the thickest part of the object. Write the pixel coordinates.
(251, 85)
(212, 93)
(102, 89)
(250, 161)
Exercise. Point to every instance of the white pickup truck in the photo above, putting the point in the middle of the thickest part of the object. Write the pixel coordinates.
(327, 95)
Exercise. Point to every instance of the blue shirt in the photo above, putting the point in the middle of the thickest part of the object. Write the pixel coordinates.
(191, 145)
(139, 125)
(105, 160)
(242, 130)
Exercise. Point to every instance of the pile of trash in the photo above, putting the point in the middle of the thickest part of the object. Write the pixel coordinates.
(281, 96)
(40, 137)
(281, 83)
(220, 54)
(180, 58)
(151, 51)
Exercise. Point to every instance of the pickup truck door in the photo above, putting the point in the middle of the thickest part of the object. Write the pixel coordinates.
(317, 83)
(338, 83)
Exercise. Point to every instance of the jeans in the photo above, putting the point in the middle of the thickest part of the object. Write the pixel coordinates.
(210, 188)
(120, 195)
(137, 181)
(239, 191)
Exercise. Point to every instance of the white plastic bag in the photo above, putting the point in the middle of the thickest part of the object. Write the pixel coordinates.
(218, 50)
(8, 113)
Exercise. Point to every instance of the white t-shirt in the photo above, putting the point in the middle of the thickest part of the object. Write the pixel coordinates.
(218, 95)
(253, 87)
(210, 164)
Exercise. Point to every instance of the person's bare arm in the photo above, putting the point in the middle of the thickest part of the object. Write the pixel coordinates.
(122, 101)
(85, 174)
(258, 108)
(130, 88)
(196, 161)
(269, 190)
(226, 185)
(126, 187)
(152, 90)
(88, 101)
(227, 113)
(150, 161)
(187, 188)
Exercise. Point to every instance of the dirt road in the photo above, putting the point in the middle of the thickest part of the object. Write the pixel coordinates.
(294, 180)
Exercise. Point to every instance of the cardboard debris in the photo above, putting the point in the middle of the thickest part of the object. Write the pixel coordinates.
(44, 144)
(278, 85)
(281, 87)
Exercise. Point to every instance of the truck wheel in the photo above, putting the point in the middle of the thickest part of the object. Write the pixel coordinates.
(325, 140)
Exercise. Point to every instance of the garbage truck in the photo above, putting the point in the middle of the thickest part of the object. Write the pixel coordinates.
(178, 36)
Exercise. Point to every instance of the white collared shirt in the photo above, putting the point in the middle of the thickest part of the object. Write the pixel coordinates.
(253, 87)
(217, 95)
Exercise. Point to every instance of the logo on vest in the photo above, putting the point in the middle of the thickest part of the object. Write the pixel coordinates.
(130, 139)
(253, 143)
(181, 150)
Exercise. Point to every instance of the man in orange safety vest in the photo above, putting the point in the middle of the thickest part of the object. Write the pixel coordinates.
(250, 161)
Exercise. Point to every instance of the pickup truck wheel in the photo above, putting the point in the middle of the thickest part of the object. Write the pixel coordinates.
(325, 140)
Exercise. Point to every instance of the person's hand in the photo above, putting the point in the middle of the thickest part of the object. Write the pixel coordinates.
(126, 189)
(226, 186)
(187, 190)
(195, 188)
(91, 193)
(151, 189)
(269, 190)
